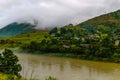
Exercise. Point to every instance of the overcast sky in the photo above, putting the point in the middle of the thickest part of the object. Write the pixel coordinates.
(51, 13)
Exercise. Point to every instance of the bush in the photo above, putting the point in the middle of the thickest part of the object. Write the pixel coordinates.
(8, 63)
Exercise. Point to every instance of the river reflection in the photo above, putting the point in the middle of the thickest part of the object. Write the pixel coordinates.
(40, 67)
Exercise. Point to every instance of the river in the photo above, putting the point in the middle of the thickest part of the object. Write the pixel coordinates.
(39, 67)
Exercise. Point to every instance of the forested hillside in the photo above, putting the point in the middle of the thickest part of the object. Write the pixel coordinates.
(107, 23)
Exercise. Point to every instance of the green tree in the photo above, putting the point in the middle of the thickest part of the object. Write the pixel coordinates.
(62, 30)
(9, 63)
(54, 30)
(103, 52)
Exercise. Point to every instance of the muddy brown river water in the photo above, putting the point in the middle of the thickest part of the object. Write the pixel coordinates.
(39, 67)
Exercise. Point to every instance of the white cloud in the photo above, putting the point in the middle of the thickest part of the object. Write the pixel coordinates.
(52, 13)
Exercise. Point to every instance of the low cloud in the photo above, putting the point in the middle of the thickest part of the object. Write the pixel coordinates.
(51, 13)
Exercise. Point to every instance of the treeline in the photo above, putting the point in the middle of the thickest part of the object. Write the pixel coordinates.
(93, 49)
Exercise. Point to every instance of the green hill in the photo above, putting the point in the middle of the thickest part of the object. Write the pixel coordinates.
(16, 28)
(108, 23)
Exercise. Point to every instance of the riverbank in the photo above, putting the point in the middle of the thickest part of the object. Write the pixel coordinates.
(84, 57)
(70, 55)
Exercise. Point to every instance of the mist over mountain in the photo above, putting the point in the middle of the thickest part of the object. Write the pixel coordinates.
(107, 23)
(51, 13)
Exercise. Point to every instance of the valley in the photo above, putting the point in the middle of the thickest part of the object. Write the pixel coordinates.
(97, 39)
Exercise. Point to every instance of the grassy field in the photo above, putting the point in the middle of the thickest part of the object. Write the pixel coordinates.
(26, 38)
(23, 39)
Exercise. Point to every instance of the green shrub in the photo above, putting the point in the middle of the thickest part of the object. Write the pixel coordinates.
(8, 63)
